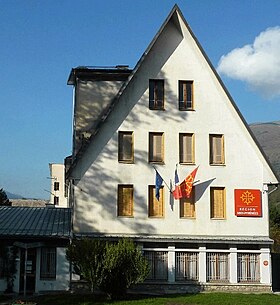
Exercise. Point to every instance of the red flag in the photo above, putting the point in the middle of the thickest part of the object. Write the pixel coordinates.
(177, 194)
(187, 184)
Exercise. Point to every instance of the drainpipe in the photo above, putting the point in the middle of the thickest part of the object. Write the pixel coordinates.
(25, 268)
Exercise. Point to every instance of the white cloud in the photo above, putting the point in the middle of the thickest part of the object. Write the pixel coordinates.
(257, 64)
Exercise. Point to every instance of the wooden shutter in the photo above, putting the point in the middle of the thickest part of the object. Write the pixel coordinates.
(187, 206)
(156, 207)
(125, 200)
(156, 147)
(185, 95)
(186, 148)
(126, 146)
(216, 149)
(217, 202)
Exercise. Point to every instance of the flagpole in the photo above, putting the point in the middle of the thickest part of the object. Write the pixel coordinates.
(163, 181)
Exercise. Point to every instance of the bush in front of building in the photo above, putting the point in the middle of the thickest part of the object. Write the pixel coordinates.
(124, 265)
(112, 267)
(86, 256)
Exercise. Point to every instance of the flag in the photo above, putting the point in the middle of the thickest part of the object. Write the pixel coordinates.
(177, 194)
(158, 183)
(187, 184)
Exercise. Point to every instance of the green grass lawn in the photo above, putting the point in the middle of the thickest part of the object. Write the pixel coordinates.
(186, 299)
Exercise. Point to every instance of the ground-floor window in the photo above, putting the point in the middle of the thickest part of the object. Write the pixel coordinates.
(48, 263)
(158, 261)
(217, 267)
(248, 267)
(186, 266)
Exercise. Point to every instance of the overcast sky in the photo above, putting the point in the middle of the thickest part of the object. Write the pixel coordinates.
(41, 40)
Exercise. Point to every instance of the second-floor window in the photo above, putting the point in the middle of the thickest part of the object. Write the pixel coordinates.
(156, 94)
(186, 148)
(125, 150)
(186, 95)
(156, 147)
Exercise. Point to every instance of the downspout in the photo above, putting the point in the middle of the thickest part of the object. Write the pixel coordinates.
(25, 268)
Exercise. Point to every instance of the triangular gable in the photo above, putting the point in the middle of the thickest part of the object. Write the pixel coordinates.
(177, 18)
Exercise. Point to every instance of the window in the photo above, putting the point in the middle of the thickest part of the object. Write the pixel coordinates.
(186, 148)
(55, 200)
(126, 153)
(156, 207)
(248, 267)
(158, 261)
(217, 267)
(56, 186)
(125, 200)
(156, 94)
(217, 155)
(187, 206)
(156, 147)
(48, 263)
(186, 266)
(185, 95)
(217, 202)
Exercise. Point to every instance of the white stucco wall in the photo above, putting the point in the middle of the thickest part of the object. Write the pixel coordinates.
(172, 59)
(62, 274)
(57, 173)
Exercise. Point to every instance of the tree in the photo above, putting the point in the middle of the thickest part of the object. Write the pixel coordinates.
(124, 265)
(274, 225)
(86, 256)
(4, 200)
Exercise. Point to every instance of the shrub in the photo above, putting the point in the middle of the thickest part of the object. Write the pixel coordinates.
(86, 255)
(124, 265)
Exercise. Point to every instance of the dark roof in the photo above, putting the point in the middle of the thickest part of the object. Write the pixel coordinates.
(36, 222)
(117, 73)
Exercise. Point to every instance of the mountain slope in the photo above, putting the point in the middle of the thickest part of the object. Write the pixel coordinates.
(268, 135)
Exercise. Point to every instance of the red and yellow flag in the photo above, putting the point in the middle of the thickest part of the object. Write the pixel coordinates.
(187, 185)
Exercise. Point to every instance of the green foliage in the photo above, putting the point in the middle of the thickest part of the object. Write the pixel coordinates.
(274, 222)
(124, 265)
(4, 198)
(9, 255)
(113, 267)
(86, 256)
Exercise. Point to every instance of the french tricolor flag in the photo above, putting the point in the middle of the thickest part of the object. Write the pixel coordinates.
(177, 194)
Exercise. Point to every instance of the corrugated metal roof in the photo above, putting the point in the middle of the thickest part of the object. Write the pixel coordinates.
(35, 222)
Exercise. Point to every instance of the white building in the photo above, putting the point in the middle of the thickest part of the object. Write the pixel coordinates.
(172, 108)
(58, 193)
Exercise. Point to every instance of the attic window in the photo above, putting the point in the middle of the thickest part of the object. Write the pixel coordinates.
(156, 94)
(185, 95)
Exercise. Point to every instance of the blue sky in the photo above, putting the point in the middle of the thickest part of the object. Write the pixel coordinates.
(41, 40)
